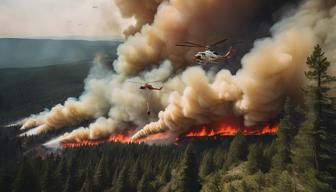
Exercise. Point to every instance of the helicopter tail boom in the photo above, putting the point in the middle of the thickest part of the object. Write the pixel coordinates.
(228, 53)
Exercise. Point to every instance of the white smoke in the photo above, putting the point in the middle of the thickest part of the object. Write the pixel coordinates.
(271, 71)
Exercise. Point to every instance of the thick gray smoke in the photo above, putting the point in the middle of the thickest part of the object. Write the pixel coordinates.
(272, 70)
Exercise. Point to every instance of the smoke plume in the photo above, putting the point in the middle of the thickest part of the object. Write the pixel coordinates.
(193, 95)
(177, 21)
(143, 11)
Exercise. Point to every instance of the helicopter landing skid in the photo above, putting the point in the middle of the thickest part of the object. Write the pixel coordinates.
(207, 63)
(201, 63)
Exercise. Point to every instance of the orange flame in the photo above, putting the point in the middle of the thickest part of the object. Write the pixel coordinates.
(116, 138)
(80, 144)
(228, 126)
(119, 137)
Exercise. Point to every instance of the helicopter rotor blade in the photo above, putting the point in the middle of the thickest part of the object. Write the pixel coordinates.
(135, 82)
(155, 81)
(181, 45)
(218, 42)
(191, 43)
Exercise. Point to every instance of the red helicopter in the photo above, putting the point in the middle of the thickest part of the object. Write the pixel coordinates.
(150, 87)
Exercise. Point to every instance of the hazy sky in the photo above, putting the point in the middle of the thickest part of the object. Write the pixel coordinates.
(59, 18)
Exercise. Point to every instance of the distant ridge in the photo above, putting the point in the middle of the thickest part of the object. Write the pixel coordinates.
(32, 89)
(25, 53)
(81, 38)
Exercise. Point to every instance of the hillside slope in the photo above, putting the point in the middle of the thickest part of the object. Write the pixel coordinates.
(28, 91)
(25, 53)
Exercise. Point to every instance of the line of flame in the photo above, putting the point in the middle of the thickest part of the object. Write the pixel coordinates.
(228, 126)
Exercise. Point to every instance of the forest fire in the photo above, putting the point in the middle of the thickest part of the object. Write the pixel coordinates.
(119, 137)
(80, 143)
(115, 138)
(228, 126)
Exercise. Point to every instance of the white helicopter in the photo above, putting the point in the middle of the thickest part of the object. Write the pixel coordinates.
(209, 56)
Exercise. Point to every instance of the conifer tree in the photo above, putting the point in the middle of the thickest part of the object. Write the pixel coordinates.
(121, 184)
(219, 157)
(268, 152)
(161, 179)
(165, 175)
(87, 185)
(114, 178)
(26, 180)
(284, 139)
(213, 183)
(206, 166)
(144, 183)
(259, 178)
(284, 183)
(185, 176)
(69, 184)
(135, 175)
(99, 177)
(316, 163)
(237, 151)
(60, 175)
(252, 158)
(47, 180)
(72, 181)
(19, 182)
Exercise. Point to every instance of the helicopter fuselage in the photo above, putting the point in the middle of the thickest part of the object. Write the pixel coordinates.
(206, 56)
(209, 56)
(149, 87)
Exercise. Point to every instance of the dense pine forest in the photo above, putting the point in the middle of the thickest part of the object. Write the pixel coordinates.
(302, 157)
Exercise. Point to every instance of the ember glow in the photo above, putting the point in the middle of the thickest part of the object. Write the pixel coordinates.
(228, 126)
